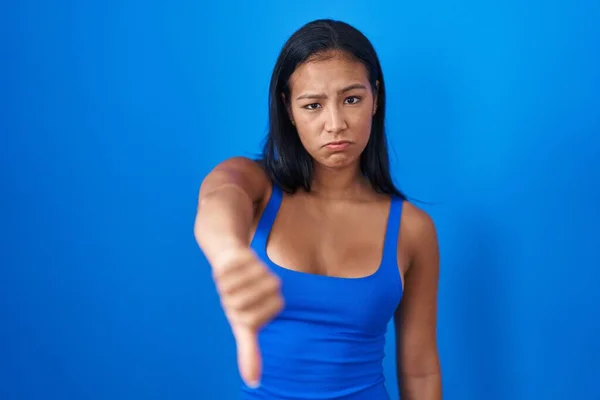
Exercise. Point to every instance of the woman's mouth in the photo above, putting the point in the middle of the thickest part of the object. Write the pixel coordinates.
(338, 145)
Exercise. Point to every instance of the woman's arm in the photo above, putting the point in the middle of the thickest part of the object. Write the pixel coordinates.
(418, 364)
(249, 292)
(227, 204)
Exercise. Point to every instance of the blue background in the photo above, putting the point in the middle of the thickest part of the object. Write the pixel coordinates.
(113, 112)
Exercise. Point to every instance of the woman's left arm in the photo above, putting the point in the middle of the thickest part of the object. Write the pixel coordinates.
(418, 364)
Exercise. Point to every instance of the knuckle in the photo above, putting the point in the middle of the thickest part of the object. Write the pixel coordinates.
(258, 271)
(279, 304)
(226, 290)
(230, 301)
(237, 302)
(274, 283)
(226, 304)
(222, 287)
(220, 276)
(217, 273)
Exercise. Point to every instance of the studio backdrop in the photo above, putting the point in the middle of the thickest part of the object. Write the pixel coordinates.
(113, 112)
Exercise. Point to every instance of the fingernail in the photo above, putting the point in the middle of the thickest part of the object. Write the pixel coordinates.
(254, 384)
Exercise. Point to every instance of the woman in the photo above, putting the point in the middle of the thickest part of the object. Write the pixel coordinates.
(313, 249)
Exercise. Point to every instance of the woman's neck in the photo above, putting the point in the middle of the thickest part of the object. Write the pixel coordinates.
(338, 183)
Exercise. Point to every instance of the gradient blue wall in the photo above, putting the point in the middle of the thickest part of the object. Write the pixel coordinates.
(112, 112)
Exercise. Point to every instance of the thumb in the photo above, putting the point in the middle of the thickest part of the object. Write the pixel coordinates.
(248, 355)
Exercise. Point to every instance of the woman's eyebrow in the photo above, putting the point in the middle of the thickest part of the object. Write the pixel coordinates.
(324, 96)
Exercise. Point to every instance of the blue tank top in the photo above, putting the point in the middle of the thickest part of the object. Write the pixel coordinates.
(328, 341)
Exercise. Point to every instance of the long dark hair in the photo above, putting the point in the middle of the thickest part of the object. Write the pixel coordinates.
(284, 158)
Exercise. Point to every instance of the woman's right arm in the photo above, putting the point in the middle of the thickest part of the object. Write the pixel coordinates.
(249, 292)
(227, 203)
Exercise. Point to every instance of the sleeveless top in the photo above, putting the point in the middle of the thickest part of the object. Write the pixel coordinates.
(328, 341)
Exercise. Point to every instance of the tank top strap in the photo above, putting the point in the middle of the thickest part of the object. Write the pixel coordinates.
(263, 229)
(390, 247)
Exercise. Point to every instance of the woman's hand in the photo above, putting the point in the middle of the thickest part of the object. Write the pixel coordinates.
(251, 296)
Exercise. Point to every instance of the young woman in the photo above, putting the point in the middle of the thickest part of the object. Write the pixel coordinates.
(313, 249)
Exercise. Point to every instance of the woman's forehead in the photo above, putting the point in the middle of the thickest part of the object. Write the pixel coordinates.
(328, 74)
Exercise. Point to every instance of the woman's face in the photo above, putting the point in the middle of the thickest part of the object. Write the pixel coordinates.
(332, 106)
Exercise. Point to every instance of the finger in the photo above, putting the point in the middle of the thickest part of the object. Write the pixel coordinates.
(262, 312)
(263, 290)
(232, 260)
(239, 277)
(270, 310)
(248, 355)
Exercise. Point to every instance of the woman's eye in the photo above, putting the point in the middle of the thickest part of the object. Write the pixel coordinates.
(352, 100)
(312, 106)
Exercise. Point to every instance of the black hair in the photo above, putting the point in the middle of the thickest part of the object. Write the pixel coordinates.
(284, 158)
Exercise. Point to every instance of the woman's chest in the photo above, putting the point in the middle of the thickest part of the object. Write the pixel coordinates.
(345, 241)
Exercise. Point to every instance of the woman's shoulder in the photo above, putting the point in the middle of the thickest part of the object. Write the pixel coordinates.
(243, 163)
(244, 172)
(417, 227)
(416, 217)
(244, 167)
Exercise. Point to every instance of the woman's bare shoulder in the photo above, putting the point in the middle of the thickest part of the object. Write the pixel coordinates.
(241, 164)
(417, 228)
(243, 172)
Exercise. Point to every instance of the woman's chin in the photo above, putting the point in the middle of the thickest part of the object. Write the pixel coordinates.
(338, 160)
